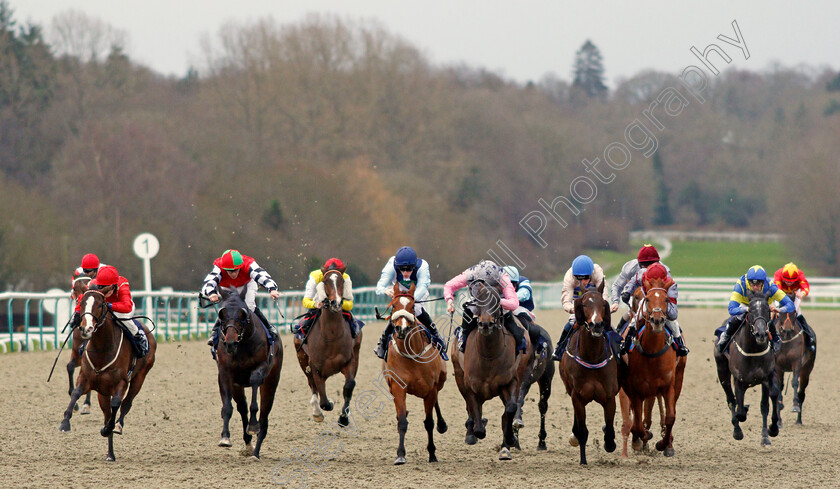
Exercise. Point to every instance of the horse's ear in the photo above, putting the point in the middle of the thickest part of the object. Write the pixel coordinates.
(646, 284)
(580, 318)
(601, 287)
(343, 269)
(243, 293)
(607, 315)
(396, 288)
(222, 292)
(412, 289)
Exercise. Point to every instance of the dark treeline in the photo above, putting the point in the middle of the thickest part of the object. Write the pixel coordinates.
(325, 138)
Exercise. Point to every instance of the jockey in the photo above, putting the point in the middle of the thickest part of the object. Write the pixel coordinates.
(121, 306)
(583, 276)
(646, 257)
(525, 311)
(658, 271)
(755, 281)
(490, 273)
(228, 272)
(409, 269)
(87, 271)
(314, 295)
(793, 283)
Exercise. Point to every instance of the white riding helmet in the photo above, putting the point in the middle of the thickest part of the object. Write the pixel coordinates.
(512, 272)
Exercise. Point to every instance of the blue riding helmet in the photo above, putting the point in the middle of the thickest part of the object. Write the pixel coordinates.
(405, 256)
(512, 272)
(583, 266)
(756, 272)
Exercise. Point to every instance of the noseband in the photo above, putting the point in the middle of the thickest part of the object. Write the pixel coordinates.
(98, 321)
(643, 311)
(233, 323)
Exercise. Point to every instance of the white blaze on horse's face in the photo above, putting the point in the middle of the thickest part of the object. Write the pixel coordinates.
(334, 278)
(87, 318)
(594, 313)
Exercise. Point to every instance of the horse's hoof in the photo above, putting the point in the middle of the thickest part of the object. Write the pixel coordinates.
(318, 418)
(774, 430)
(247, 450)
(254, 458)
(110, 458)
(343, 421)
(399, 461)
(637, 444)
(609, 446)
(85, 409)
(669, 452)
(504, 454)
(471, 440)
(741, 417)
(660, 446)
(442, 427)
(432, 458)
(118, 429)
(518, 424)
(253, 429)
(541, 446)
(796, 409)
(480, 434)
(64, 426)
(573, 441)
(225, 442)
(105, 431)
(327, 406)
(738, 434)
(765, 442)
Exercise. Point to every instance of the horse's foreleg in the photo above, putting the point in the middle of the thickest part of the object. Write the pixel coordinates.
(430, 402)
(773, 391)
(638, 429)
(238, 396)
(267, 392)
(71, 367)
(579, 432)
(471, 424)
(666, 444)
(609, 423)
(349, 384)
(480, 429)
(804, 377)
(511, 403)
(75, 394)
(253, 424)
(545, 393)
(402, 419)
(320, 387)
(225, 388)
(441, 423)
(626, 420)
(738, 411)
(105, 405)
(765, 410)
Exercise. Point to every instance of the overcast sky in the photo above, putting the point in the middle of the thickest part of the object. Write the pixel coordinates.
(522, 40)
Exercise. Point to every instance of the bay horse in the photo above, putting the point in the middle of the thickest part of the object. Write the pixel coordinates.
(109, 367)
(793, 356)
(329, 349)
(540, 371)
(749, 362)
(413, 366)
(489, 366)
(589, 369)
(244, 359)
(653, 371)
(80, 286)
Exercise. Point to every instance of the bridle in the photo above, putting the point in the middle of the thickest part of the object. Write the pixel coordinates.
(100, 320)
(587, 324)
(233, 323)
(496, 314)
(648, 315)
(333, 304)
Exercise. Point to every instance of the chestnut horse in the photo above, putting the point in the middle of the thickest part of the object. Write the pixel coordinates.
(749, 362)
(330, 349)
(654, 371)
(590, 370)
(794, 357)
(80, 286)
(489, 367)
(413, 366)
(109, 367)
(244, 359)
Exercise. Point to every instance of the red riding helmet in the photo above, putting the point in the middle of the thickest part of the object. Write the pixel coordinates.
(656, 271)
(790, 273)
(106, 276)
(333, 264)
(232, 260)
(648, 254)
(90, 261)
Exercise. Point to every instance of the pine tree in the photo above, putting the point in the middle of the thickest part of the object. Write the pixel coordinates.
(589, 71)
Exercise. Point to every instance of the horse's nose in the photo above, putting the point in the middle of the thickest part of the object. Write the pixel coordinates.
(231, 347)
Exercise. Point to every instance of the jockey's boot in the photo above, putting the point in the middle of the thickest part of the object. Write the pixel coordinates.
(810, 338)
(775, 340)
(466, 329)
(682, 350)
(268, 326)
(561, 343)
(517, 332)
(620, 324)
(381, 349)
(213, 340)
(437, 341)
(142, 343)
(724, 337)
(628, 340)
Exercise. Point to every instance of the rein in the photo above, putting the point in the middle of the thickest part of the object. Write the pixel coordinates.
(98, 371)
(637, 344)
(593, 365)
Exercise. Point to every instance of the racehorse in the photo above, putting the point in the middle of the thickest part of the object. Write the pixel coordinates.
(794, 357)
(489, 367)
(330, 348)
(541, 371)
(80, 286)
(413, 366)
(244, 359)
(589, 369)
(751, 362)
(654, 371)
(109, 368)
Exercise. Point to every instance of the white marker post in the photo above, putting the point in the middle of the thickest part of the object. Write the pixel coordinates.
(146, 246)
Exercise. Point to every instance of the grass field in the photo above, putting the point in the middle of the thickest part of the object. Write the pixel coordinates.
(705, 258)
